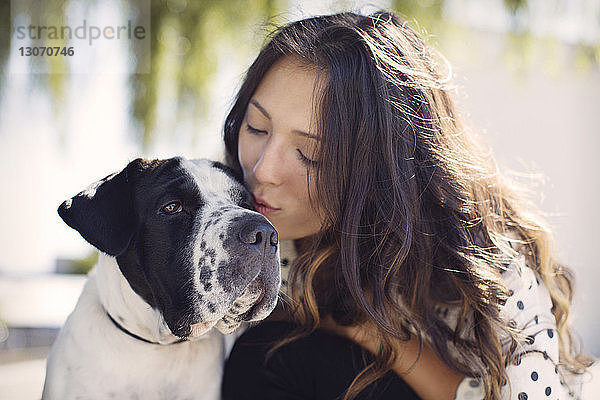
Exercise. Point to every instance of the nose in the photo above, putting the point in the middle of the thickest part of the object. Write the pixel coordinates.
(267, 169)
(261, 237)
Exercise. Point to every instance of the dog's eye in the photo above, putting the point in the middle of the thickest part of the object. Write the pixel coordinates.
(172, 207)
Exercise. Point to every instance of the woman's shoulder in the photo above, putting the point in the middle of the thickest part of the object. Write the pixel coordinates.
(533, 368)
(528, 305)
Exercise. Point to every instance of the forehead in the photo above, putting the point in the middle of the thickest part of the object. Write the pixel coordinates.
(288, 92)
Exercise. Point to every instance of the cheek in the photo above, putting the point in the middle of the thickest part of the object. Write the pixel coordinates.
(308, 199)
(315, 205)
(247, 154)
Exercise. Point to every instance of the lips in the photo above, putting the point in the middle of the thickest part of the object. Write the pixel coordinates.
(262, 206)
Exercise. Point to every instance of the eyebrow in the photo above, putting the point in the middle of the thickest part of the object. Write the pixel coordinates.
(260, 108)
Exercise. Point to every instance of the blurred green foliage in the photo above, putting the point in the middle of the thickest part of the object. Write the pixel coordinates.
(85, 264)
(513, 6)
(188, 39)
(5, 33)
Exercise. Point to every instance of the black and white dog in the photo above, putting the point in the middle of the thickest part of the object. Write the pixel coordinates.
(181, 252)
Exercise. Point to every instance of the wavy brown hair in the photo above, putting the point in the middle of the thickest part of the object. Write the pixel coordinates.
(418, 216)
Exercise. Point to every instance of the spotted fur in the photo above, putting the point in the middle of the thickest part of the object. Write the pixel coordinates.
(143, 324)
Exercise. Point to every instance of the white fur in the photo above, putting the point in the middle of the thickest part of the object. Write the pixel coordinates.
(92, 359)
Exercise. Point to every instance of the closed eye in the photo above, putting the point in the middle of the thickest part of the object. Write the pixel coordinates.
(252, 129)
(306, 160)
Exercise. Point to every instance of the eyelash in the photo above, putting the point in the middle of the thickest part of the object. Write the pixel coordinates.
(253, 130)
(301, 157)
(305, 160)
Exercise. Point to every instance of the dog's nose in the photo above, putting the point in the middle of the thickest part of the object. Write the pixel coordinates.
(262, 237)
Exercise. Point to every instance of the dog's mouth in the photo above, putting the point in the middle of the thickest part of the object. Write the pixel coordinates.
(237, 313)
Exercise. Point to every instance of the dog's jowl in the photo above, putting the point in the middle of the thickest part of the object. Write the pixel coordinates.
(182, 253)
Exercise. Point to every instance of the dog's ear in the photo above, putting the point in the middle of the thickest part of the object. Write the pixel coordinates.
(103, 213)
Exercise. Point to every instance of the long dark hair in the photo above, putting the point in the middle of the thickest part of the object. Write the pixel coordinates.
(417, 215)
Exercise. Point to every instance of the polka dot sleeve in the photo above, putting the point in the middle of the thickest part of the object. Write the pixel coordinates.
(533, 372)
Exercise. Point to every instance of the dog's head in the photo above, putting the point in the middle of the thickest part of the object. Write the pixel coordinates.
(186, 239)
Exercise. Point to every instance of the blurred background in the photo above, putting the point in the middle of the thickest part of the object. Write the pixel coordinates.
(528, 81)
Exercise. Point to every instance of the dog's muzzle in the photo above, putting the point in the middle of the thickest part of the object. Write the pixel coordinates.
(247, 278)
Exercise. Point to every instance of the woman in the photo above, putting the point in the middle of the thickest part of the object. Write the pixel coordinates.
(410, 244)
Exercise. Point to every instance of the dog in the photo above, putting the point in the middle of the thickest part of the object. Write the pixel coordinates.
(181, 252)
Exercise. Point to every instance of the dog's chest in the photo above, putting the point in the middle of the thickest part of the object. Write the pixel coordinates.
(93, 359)
(191, 374)
(189, 370)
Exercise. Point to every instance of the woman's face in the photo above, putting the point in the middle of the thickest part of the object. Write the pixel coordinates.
(276, 148)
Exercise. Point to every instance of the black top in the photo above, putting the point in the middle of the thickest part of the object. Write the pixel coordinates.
(320, 366)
